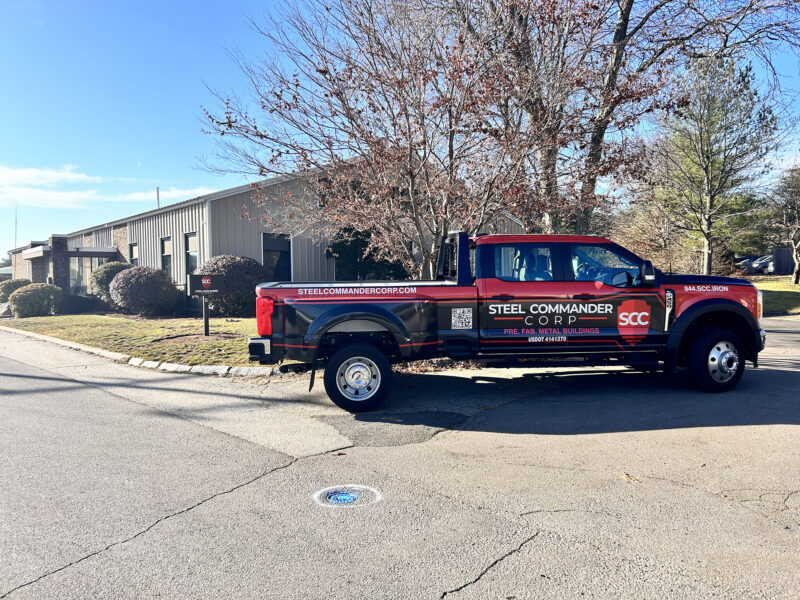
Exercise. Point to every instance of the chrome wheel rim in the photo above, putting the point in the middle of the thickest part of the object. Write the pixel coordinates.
(358, 378)
(723, 361)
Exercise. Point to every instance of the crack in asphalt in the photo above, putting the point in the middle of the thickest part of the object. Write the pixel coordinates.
(721, 495)
(491, 566)
(475, 415)
(563, 510)
(170, 516)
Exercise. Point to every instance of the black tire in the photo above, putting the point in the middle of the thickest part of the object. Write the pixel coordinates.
(368, 365)
(716, 360)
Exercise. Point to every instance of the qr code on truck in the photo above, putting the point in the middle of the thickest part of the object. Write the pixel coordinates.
(461, 318)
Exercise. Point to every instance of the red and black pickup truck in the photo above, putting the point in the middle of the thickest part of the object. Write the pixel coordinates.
(512, 300)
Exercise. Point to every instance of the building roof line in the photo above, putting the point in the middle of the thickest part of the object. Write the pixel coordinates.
(192, 201)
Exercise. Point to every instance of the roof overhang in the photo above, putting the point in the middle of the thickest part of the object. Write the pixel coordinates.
(36, 252)
(90, 252)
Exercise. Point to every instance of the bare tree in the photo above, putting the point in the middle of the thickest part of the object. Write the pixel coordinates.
(607, 80)
(391, 114)
(785, 215)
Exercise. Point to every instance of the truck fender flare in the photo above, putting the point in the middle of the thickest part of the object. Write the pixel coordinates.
(384, 319)
(704, 307)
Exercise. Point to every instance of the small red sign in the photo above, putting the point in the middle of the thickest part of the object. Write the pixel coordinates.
(206, 281)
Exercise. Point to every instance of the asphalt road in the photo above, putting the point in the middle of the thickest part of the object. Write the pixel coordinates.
(117, 482)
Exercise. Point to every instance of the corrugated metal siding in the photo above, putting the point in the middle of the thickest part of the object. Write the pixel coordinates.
(102, 238)
(237, 228)
(149, 231)
(505, 223)
(75, 241)
(310, 262)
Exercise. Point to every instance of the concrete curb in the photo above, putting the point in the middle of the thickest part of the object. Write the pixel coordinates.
(218, 370)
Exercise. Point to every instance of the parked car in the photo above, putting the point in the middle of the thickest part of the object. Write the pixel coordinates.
(512, 300)
(762, 265)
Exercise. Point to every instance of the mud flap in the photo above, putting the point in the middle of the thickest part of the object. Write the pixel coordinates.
(313, 369)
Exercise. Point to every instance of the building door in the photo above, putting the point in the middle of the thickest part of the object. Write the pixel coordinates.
(277, 256)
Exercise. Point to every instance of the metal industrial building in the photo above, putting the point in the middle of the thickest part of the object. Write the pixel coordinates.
(181, 236)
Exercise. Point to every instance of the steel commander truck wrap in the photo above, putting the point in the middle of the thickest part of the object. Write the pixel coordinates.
(512, 300)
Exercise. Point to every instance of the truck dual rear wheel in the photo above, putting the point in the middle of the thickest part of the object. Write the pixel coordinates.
(716, 360)
(358, 377)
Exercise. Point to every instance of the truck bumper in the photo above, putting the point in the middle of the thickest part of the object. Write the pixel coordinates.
(261, 351)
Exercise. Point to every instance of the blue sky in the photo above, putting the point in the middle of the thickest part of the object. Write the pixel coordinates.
(101, 103)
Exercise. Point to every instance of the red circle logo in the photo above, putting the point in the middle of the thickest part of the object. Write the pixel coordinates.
(206, 281)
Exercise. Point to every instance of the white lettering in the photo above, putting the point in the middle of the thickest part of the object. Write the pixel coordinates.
(641, 319)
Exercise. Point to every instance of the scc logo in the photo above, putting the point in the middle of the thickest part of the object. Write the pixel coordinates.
(206, 281)
(633, 320)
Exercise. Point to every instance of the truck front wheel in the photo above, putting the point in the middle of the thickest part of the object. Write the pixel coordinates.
(716, 362)
(358, 377)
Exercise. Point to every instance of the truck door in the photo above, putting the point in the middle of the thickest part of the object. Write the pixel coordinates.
(517, 282)
(610, 309)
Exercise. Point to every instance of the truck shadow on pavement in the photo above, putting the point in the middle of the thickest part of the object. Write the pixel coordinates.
(587, 401)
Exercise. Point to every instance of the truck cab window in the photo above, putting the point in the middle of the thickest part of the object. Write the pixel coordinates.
(599, 263)
(523, 262)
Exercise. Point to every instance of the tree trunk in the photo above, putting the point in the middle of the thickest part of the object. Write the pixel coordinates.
(796, 257)
(602, 119)
(548, 187)
(707, 255)
(583, 220)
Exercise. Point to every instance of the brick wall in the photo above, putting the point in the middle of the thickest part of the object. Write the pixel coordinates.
(38, 270)
(19, 265)
(120, 239)
(59, 261)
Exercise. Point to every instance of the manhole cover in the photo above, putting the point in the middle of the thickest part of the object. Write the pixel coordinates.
(347, 496)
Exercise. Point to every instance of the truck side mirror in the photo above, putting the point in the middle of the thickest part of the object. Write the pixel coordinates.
(648, 274)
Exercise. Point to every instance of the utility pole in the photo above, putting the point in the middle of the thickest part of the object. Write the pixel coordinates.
(158, 198)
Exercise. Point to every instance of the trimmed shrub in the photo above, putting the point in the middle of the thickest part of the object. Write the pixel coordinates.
(35, 300)
(144, 291)
(102, 277)
(246, 273)
(7, 287)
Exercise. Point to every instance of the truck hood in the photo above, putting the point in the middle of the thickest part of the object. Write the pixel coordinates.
(675, 279)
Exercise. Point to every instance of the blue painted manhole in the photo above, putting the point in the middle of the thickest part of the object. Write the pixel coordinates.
(341, 497)
(349, 495)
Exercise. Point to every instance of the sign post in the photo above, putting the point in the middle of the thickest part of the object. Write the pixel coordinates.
(204, 286)
(205, 315)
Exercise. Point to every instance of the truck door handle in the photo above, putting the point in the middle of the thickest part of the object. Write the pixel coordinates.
(503, 297)
(583, 297)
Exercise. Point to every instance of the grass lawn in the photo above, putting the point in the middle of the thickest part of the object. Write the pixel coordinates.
(181, 340)
(780, 295)
(165, 340)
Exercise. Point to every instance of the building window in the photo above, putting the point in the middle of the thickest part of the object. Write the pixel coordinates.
(190, 243)
(166, 255)
(80, 271)
(133, 253)
(277, 256)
